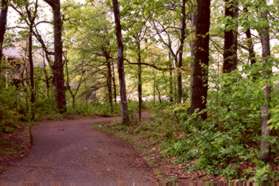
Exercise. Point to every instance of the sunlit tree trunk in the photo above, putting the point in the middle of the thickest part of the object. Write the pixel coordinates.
(230, 37)
(200, 67)
(120, 64)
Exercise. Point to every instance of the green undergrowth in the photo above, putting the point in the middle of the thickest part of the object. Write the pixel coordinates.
(228, 148)
(227, 143)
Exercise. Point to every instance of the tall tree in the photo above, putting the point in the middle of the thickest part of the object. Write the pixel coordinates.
(58, 65)
(266, 52)
(28, 13)
(180, 51)
(109, 79)
(138, 42)
(201, 54)
(31, 15)
(230, 37)
(3, 23)
(120, 63)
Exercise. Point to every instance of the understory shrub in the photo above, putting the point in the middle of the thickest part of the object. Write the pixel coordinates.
(228, 142)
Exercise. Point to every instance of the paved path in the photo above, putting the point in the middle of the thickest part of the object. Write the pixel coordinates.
(71, 152)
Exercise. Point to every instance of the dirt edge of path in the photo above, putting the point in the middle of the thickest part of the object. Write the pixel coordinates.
(14, 146)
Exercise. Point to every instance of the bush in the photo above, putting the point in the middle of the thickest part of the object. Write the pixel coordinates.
(227, 143)
(10, 109)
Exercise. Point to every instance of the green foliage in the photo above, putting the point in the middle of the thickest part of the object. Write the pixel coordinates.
(227, 143)
(86, 109)
(9, 109)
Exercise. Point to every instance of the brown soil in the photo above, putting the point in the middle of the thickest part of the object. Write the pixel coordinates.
(14, 146)
(72, 152)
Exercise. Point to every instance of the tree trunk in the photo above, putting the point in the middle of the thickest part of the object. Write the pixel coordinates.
(120, 64)
(252, 54)
(200, 67)
(139, 80)
(170, 78)
(109, 82)
(180, 52)
(265, 113)
(31, 71)
(3, 23)
(159, 93)
(250, 44)
(46, 75)
(230, 37)
(58, 66)
(113, 82)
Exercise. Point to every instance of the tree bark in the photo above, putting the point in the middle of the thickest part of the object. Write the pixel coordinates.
(139, 80)
(170, 78)
(3, 23)
(58, 65)
(46, 75)
(200, 66)
(31, 71)
(109, 81)
(250, 44)
(180, 52)
(265, 113)
(113, 82)
(120, 64)
(230, 37)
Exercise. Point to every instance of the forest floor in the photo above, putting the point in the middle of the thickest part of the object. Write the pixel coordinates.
(148, 144)
(73, 152)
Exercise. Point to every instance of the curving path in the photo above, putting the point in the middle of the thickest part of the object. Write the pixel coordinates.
(71, 152)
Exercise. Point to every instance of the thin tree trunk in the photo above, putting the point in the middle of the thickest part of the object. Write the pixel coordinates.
(170, 78)
(230, 38)
(109, 82)
(31, 71)
(250, 44)
(3, 23)
(120, 64)
(180, 52)
(265, 113)
(139, 80)
(69, 86)
(46, 75)
(159, 93)
(113, 82)
(200, 67)
(154, 87)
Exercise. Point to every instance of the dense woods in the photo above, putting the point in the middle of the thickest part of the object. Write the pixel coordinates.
(206, 69)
